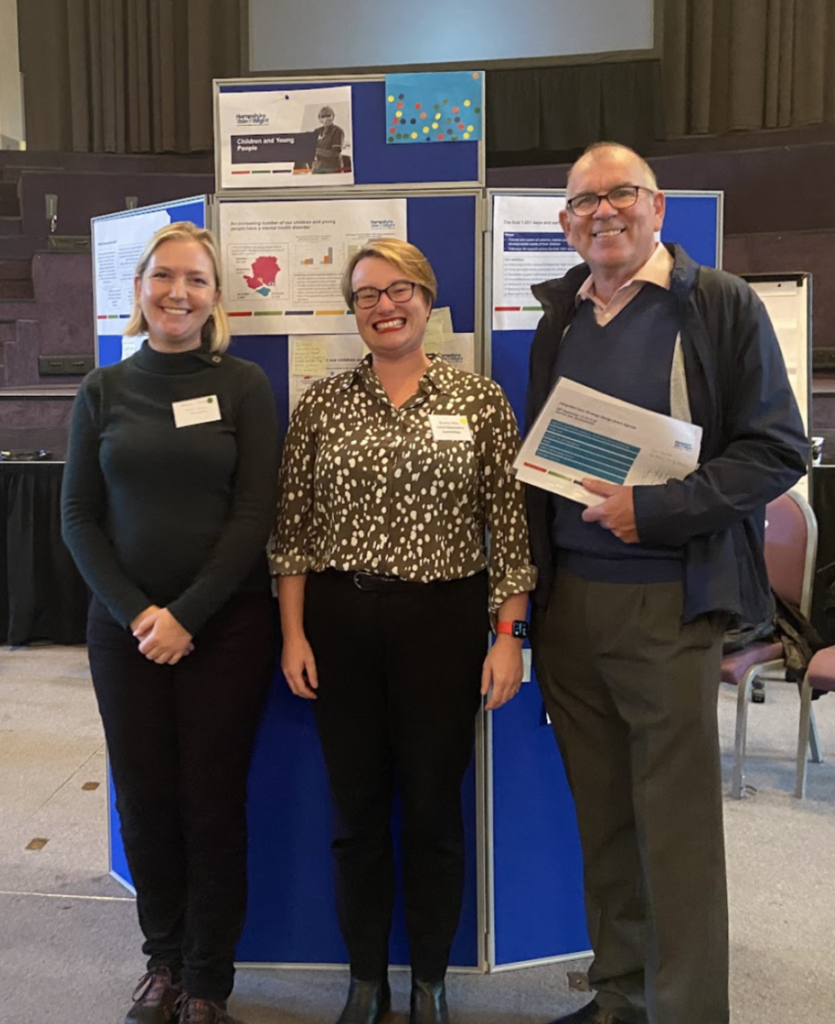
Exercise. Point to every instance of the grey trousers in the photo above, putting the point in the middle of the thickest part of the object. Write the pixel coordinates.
(631, 693)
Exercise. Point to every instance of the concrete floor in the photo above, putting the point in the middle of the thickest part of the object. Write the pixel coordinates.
(70, 948)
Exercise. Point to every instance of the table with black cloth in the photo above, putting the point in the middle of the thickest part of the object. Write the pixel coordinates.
(43, 596)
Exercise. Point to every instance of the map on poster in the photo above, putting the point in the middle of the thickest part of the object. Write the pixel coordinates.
(283, 260)
(273, 137)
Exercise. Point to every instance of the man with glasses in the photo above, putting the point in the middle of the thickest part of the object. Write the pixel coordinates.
(635, 592)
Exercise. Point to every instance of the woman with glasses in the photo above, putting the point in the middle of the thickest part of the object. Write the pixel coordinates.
(392, 474)
(167, 504)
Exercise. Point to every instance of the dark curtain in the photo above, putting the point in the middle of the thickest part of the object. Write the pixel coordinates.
(733, 65)
(42, 595)
(565, 108)
(125, 76)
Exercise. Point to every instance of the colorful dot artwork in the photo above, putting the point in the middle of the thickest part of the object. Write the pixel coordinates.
(449, 102)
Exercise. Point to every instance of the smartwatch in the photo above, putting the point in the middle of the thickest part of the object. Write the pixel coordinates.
(517, 628)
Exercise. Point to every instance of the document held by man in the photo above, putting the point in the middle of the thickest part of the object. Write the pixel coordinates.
(584, 433)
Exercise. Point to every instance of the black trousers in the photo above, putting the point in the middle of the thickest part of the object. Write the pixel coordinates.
(399, 688)
(631, 692)
(179, 740)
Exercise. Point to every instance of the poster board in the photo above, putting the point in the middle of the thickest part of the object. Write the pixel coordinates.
(291, 916)
(538, 912)
(247, 105)
(118, 241)
(788, 299)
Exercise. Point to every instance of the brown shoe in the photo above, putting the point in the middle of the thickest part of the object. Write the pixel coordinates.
(591, 1013)
(201, 1011)
(154, 999)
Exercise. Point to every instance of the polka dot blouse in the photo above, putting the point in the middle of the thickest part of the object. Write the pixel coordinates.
(366, 486)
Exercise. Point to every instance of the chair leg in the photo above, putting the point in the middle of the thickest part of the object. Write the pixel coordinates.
(803, 736)
(742, 701)
(814, 739)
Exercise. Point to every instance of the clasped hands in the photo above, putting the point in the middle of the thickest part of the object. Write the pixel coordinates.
(161, 638)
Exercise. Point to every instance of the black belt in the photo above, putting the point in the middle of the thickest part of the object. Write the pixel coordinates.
(374, 581)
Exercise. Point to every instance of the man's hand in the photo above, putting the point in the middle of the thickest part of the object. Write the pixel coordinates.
(616, 513)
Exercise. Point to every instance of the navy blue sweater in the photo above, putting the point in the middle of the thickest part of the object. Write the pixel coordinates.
(628, 358)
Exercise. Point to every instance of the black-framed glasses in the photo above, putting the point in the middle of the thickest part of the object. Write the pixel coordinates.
(621, 198)
(397, 291)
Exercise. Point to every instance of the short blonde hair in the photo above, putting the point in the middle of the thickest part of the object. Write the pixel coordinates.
(216, 329)
(406, 258)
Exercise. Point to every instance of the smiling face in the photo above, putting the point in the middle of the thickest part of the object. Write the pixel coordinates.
(614, 243)
(390, 329)
(177, 293)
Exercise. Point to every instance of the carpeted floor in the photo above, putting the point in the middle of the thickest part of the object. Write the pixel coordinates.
(69, 947)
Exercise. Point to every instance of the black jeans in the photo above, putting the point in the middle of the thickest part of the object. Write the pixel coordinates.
(179, 740)
(399, 686)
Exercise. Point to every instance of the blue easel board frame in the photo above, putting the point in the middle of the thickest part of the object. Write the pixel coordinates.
(536, 869)
(376, 163)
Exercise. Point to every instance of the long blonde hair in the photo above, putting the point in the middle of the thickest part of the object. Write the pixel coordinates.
(216, 329)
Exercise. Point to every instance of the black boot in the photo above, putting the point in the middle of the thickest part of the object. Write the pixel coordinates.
(428, 1003)
(368, 1002)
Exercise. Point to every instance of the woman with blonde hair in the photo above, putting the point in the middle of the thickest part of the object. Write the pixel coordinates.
(167, 505)
(392, 474)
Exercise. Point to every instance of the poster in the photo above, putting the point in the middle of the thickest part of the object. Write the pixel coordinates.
(273, 137)
(529, 246)
(312, 357)
(283, 260)
(439, 106)
(119, 244)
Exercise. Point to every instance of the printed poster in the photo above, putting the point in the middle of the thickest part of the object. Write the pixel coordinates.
(529, 246)
(120, 242)
(273, 137)
(283, 260)
(441, 106)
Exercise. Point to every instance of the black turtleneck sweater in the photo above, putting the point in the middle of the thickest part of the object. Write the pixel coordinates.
(156, 514)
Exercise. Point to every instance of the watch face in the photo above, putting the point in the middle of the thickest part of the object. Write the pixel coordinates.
(520, 629)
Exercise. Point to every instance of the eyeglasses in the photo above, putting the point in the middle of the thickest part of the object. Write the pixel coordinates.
(397, 291)
(620, 197)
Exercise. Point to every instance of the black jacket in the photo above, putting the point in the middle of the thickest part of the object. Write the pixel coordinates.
(753, 447)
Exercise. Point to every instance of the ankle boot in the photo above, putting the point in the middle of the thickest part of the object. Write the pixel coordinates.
(428, 1003)
(368, 1002)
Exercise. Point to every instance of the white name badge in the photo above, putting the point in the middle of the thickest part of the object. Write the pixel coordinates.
(196, 410)
(450, 428)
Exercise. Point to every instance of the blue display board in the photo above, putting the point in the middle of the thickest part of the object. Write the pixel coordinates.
(375, 162)
(291, 915)
(117, 243)
(538, 906)
(535, 906)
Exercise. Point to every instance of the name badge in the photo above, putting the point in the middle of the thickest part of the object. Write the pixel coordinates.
(196, 410)
(450, 428)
